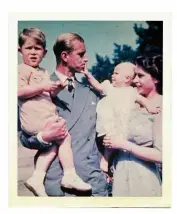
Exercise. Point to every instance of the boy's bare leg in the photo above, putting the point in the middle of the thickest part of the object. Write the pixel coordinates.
(45, 159)
(35, 182)
(70, 178)
(65, 154)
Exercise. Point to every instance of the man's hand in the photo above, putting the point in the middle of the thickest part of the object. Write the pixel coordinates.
(55, 130)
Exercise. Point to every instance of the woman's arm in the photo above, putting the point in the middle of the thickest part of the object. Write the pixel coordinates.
(145, 153)
(150, 154)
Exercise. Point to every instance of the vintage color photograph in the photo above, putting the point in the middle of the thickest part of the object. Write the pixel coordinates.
(90, 104)
(89, 96)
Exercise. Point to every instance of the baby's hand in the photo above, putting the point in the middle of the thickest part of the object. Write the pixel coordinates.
(85, 71)
(49, 86)
(153, 109)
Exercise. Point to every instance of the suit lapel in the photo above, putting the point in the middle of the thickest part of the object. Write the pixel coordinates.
(75, 106)
(54, 77)
(80, 98)
(64, 96)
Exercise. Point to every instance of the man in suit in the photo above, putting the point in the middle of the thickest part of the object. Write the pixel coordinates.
(77, 105)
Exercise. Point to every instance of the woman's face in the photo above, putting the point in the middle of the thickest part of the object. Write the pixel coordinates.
(144, 82)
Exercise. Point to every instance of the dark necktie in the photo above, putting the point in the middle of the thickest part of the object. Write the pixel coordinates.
(70, 84)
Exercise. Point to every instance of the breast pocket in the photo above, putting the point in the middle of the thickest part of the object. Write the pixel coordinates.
(91, 111)
(37, 78)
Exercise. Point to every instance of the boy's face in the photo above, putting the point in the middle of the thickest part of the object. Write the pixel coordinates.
(32, 53)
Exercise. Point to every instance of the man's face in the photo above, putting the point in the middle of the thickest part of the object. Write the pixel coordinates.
(77, 59)
(32, 53)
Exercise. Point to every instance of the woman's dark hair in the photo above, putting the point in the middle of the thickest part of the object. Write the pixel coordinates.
(153, 66)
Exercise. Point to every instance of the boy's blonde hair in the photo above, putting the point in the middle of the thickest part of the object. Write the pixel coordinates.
(64, 42)
(33, 33)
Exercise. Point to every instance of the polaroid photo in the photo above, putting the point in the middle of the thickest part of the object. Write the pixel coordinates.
(103, 56)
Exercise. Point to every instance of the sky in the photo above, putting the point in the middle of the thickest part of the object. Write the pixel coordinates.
(99, 36)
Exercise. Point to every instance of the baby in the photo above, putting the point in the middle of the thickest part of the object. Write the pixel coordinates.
(114, 108)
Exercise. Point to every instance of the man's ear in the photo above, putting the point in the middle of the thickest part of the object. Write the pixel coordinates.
(64, 56)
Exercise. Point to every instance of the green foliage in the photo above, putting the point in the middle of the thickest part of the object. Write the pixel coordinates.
(150, 42)
(123, 53)
(103, 68)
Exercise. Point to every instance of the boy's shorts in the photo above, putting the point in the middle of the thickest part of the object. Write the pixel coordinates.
(32, 145)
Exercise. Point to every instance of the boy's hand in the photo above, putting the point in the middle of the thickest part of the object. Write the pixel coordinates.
(49, 86)
(61, 85)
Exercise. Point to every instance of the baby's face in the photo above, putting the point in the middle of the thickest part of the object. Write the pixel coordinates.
(121, 76)
(116, 77)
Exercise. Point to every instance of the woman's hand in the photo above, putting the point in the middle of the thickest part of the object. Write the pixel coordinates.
(113, 143)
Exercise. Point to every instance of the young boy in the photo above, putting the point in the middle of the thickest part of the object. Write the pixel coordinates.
(36, 110)
(114, 108)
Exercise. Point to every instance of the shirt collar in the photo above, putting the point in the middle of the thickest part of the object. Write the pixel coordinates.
(63, 77)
